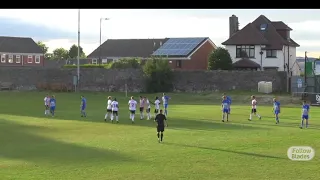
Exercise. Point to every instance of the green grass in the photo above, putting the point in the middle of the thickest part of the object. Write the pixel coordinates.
(197, 145)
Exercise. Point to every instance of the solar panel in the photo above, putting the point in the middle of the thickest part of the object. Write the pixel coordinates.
(178, 46)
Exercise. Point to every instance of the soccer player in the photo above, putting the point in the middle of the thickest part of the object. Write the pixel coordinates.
(46, 105)
(225, 108)
(156, 106)
(165, 101)
(142, 101)
(148, 108)
(276, 109)
(52, 105)
(115, 109)
(109, 108)
(229, 101)
(254, 108)
(132, 108)
(305, 114)
(83, 106)
(161, 121)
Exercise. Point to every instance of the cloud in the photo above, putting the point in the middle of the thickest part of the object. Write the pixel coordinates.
(58, 28)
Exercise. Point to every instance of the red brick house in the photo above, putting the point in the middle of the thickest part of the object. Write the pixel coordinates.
(182, 53)
(20, 51)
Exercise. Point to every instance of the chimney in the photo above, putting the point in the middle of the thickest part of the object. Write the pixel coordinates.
(233, 25)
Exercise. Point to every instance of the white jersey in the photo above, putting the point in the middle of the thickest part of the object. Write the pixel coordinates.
(254, 104)
(46, 101)
(115, 106)
(157, 104)
(132, 105)
(109, 104)
(148, 104)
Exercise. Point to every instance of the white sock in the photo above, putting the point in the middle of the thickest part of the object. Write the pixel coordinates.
(117, 118)
(106, 116)
(45, 112)
(258, 115)
(149, 116)
(250, 116)
(111, 117)
(132, 117)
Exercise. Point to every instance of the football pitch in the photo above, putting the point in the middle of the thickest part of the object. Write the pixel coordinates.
(197, 145)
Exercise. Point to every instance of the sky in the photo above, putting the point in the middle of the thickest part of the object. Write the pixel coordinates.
(59, 28)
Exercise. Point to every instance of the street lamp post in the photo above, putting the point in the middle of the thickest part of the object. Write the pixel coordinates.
(101, 19)
(78, 57)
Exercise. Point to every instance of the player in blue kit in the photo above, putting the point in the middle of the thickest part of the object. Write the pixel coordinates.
(229, 100)
(305, 114)
(83, 107)
(225, 108)
(165, 102)
(276, 109)
(52, 105)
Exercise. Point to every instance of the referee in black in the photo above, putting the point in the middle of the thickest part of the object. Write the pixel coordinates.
(161, 121)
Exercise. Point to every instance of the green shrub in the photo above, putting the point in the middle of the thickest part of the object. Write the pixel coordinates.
(159, 75)
(126, 63)
(106, 66)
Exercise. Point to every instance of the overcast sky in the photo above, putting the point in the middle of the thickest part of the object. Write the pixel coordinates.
(58, 28)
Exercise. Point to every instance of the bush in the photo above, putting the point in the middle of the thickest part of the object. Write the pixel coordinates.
(126, 63)
(159, 75)
(106, 66)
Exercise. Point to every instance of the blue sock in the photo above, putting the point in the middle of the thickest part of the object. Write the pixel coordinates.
(166, 112)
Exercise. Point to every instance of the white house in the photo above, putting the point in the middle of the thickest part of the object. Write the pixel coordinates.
(267, 45)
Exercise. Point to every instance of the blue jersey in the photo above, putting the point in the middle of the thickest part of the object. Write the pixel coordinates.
(83, 102)
(165, 99)
(305, 110)
(52, 102)
(228, 98)
(276, 106)
(225, 104)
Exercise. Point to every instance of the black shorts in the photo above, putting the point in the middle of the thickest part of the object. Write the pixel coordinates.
(46, 106)
(132, 111)
(156, 111)
(253, 110)
(109, 110)
(115, 113)
(148, 110)
(160, 128)
(141, 109)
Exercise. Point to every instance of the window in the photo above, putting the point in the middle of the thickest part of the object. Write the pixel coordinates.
(30, 59)
(3, 58)
(242, 51)
(37, 59)
(18, 59)
(271, 54)
(178, 63)
(94, 61)
(10, 59)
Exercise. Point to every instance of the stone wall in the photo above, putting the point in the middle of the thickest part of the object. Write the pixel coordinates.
(116, 80)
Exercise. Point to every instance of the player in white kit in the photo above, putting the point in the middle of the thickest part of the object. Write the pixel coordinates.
(115, 109)
(47, 105)
(132, 108)
(156, 106)
(142, 103)
(147, 103)
(109, 108)
(254, 108)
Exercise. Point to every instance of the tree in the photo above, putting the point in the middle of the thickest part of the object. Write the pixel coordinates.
(220, 59)
(159, 75)
(73, 52)
(60, 54)
(45, 49)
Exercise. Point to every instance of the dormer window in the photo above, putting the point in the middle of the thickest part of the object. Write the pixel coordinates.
(263, 27)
